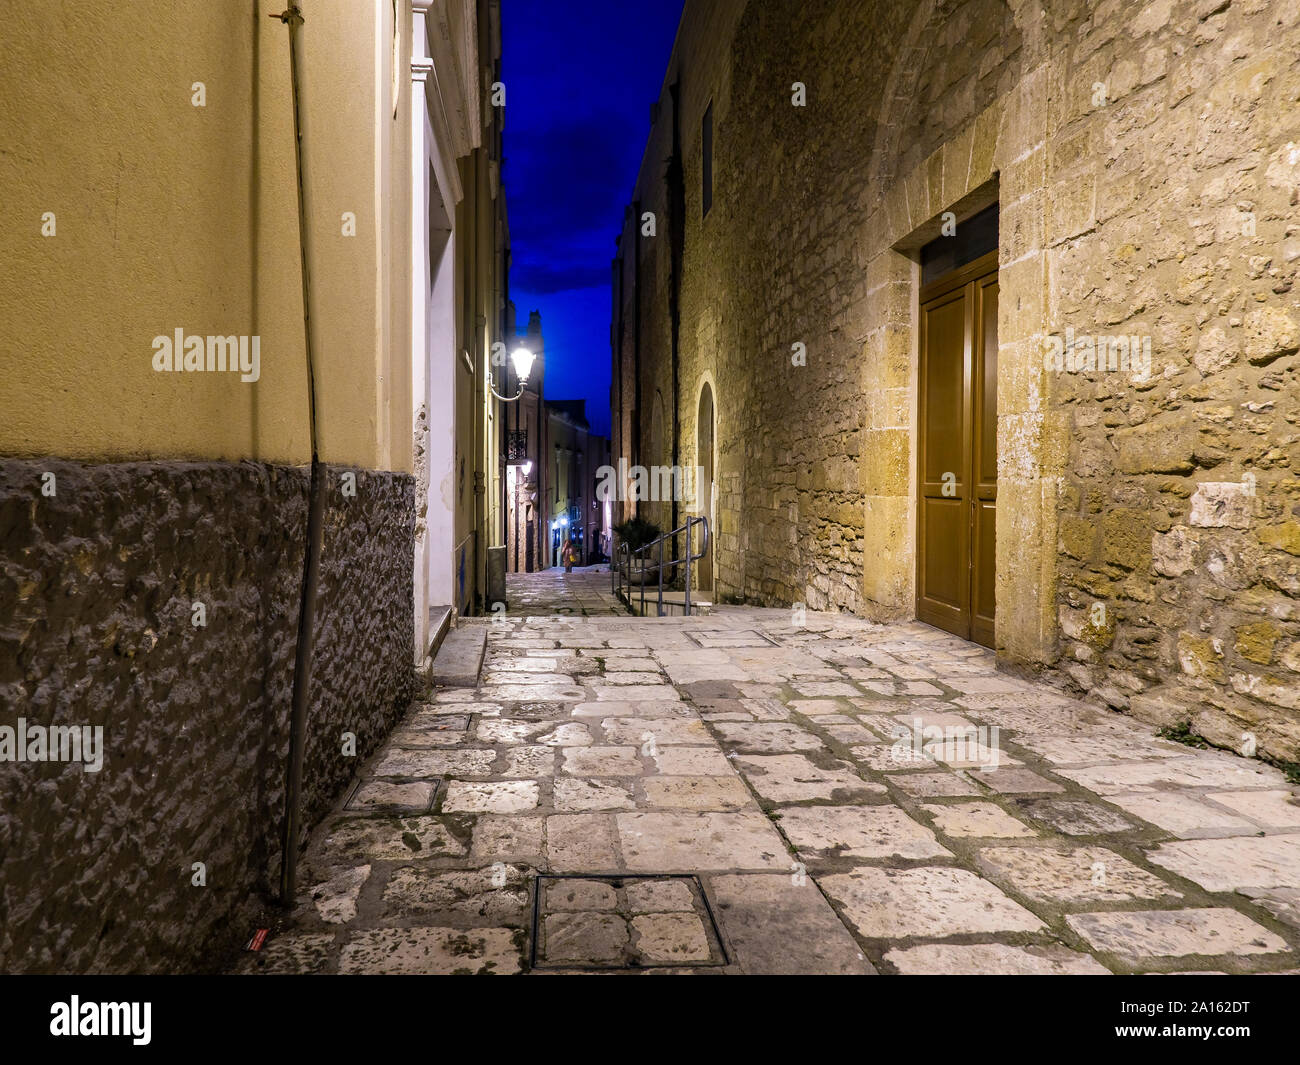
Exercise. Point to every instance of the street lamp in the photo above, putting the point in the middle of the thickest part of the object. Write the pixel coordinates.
(522, 361)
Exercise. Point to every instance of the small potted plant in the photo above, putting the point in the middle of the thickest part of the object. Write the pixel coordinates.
(637, 533)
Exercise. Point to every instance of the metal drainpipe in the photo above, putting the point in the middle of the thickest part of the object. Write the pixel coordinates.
(292, 18)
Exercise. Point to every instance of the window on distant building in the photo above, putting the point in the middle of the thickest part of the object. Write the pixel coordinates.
(706, 143)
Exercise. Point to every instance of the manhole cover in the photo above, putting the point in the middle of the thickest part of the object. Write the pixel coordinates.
(646, 921)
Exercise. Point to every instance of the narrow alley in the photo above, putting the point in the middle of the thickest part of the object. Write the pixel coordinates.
(747, 792)
(698, 487)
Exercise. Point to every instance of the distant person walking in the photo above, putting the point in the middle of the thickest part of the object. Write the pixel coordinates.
(567, 555)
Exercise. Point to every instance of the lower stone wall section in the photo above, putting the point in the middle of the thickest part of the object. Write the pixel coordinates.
(105, 571)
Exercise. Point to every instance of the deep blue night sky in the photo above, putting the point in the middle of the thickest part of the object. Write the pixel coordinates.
(580, 77)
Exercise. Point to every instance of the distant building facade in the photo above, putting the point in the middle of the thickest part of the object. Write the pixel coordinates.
(576, 455)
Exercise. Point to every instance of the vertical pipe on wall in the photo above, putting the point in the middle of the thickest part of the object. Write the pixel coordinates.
(292, 17)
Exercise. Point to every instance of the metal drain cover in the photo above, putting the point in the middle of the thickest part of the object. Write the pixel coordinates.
(643, 921)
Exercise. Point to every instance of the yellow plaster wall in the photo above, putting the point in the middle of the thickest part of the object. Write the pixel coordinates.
(169, 215)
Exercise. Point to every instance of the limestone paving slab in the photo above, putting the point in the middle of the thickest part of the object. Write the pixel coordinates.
(1182, 813)
(365, 839)
(698, 842)
(1085, 750)
(1074, 874)
(767, 737)
(993, 959)
(858, 832)
(500, 797)
(1075, 817)
(336, 898)
(976, 819)
(493, 896)
(926, 901)
(507, 839)
(1282, 902)
(1275, 810)
(934, 785)
(529, 762)
(574, 795)
(1139, 934)
(661, 732)
(1170, 774)
(434, 951)
(779, 924)
(603, 762)
(383, 795)
(465, 762)
(1015, 780)
(794, 777)
(1234, 863)
(697, 793)
(692, 762)
(648, 708)
(585, 842)
(887, 758)
(418, 738)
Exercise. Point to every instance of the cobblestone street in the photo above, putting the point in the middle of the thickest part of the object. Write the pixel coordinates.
(737, 793)
(584, 592)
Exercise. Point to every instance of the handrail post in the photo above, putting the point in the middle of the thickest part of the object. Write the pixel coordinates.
(688, 567)
(659, 608)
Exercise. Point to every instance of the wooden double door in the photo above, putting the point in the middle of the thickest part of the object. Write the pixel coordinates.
(958, 456)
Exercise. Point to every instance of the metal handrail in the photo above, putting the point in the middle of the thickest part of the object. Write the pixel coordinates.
(623, 553)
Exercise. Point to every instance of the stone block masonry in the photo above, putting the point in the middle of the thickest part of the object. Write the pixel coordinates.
(99, 598)
(1144, 162)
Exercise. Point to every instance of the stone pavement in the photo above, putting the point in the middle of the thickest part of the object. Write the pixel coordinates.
(736, 793)
(584, 592)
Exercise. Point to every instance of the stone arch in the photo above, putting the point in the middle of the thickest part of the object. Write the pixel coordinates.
(656, 441)
(706, 382)
(706, 462)
(915, 59)
(960, 164)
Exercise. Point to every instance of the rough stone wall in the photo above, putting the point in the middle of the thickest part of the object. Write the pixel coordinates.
(96, 628)
(1144, 159)
(777, 262)
(1180, 584)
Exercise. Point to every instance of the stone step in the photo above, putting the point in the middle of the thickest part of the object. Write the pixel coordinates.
(674, 604)
(439, 626)
(460, 656)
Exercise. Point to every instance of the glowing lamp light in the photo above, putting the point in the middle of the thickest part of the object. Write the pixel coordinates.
(522, 360)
